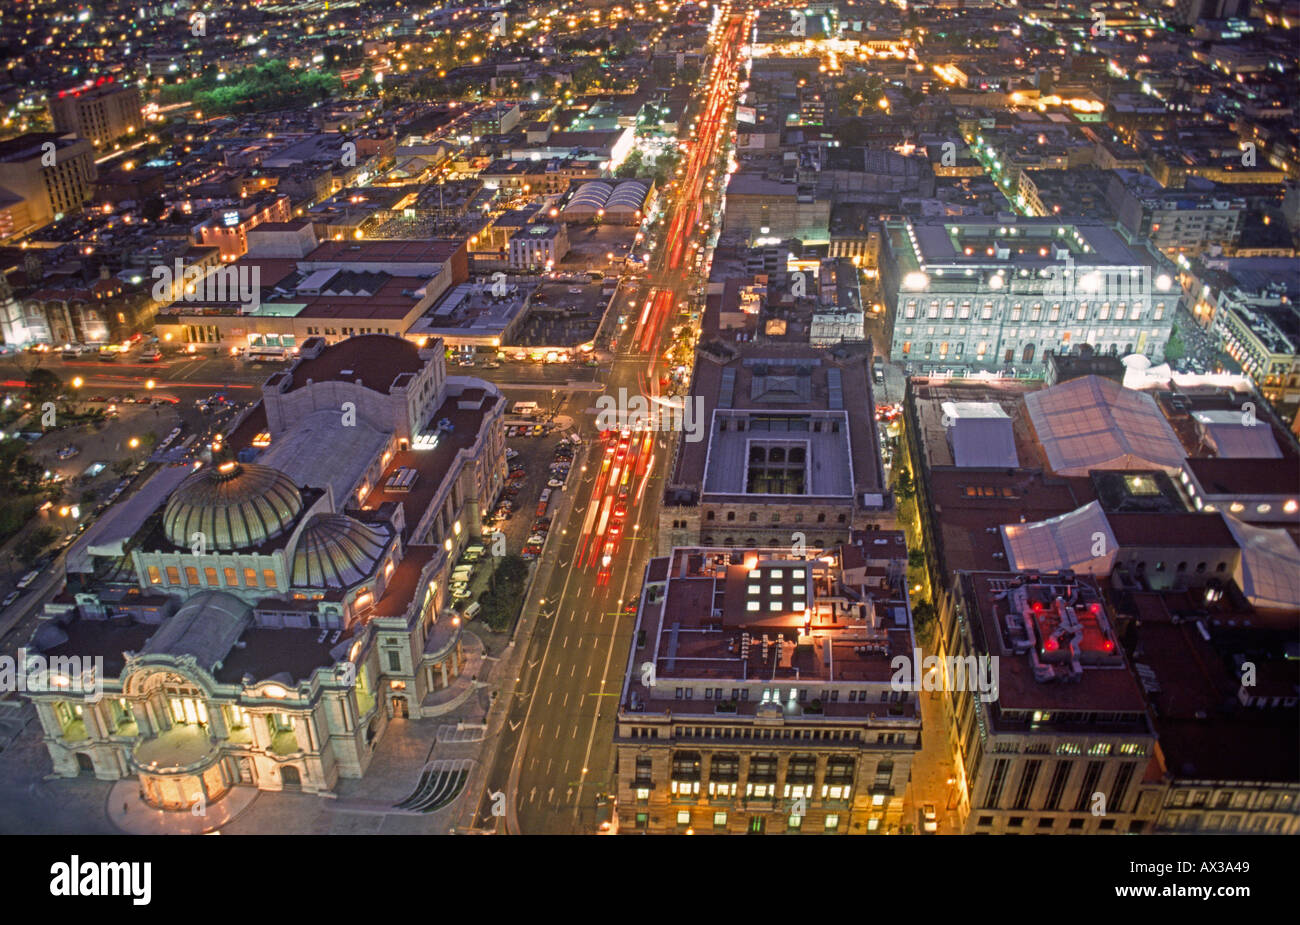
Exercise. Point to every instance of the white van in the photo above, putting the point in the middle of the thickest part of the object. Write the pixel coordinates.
(472, 611)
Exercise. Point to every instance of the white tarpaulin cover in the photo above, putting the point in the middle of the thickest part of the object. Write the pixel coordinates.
(1080, 540)
(980, 434)
(1095, 423)
(1237, 435)
(1269, 571)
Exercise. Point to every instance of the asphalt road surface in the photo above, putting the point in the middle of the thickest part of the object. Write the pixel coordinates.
(555, 757)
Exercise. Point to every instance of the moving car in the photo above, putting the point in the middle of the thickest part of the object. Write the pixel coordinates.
(12, 596)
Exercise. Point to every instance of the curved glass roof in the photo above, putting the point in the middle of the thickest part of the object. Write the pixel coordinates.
(336, 551)
(232, 506)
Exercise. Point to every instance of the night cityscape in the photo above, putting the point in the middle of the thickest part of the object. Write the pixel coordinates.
(625, 418)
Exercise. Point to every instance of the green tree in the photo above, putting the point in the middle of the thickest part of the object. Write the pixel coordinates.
(923, 616)
(1175, 350)
(630, 167)
(34, 543)
(904, 485)
(42, 386)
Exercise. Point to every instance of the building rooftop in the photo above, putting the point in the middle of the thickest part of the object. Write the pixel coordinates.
(789, 427)
(1057, 647)
(377, 360)
(754, 617)
(1095, 423)
(1190, 666)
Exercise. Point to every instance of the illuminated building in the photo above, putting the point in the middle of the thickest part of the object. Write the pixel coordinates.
(1066, 746)
(759, 697)
(994, 294)
(45, 175)
(102, 114)
(260, 622)
(786, 450)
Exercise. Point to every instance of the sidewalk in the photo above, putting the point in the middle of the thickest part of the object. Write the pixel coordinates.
(932, 768)
(132, 815)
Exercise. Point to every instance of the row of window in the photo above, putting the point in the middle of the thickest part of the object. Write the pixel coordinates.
(776, 518)
(231, 574)
(830, 824)
(801, 694)
(1048, 822)
(744, 733)
(1218, 822)
(347, 332)
(1226, 799)
(1100, 749)
(1122, 311)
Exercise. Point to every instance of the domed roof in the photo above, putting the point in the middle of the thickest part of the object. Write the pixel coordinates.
(234, 505)
(336, 551)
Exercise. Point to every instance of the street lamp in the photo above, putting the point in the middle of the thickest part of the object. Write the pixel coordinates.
(133, 443)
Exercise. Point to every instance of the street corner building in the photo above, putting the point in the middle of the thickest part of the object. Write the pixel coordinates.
(263, 618)
(759, 695)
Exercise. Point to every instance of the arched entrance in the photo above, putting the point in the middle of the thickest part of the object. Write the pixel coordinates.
(400, 707)
(85, 767)
(290, 778)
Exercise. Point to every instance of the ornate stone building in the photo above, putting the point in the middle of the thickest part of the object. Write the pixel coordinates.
(262, 621)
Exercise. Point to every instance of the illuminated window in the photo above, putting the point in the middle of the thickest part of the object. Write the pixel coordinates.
(832, 822)
(210, 576)
(774, 606)
(191, 575)
(232, 577)
(154, 577)
(753, 606)
(189, 710)
(173, 575)
(268, 577)
(250, 578)
(684, 817)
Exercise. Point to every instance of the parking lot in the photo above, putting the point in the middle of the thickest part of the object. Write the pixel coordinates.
(533, 470)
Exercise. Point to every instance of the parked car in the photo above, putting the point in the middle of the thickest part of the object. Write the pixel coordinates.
(10, 598)
(68, 451)
(930, 819)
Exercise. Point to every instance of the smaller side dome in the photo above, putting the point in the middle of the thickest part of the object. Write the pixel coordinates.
(336, 551)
